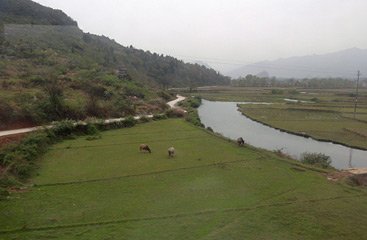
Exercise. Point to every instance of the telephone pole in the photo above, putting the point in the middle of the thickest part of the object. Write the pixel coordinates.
(356, 97)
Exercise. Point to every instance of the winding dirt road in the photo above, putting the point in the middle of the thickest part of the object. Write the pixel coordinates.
(172, 104)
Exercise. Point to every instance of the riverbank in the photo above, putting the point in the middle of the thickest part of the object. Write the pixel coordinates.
(305, 121)
(224, 118)
(106, 187)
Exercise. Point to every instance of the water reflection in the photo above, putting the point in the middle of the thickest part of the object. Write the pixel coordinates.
(350, 157)
(224, 118)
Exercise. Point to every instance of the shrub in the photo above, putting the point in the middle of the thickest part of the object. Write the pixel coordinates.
(63, 129)
(19, 159)
(7, 180)
(193, 117)
(317, 159)
(132, 90)
(144, 119)
(123, 106)
(293, 92)
(279, 152)
(3, 193)
(93, 132)
(6, 111)
(159, 117)
(129, 122)
(165, 95)
(192, 102)
(91, 129)
(175, 113)
(195, 102)
(277, 91)
(38, 140)
(22, 169)
(162, 105)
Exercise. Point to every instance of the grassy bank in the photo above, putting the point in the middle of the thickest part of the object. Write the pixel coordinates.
(318, 122)
(107, 189)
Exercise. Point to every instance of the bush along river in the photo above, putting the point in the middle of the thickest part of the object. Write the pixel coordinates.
(224, 118)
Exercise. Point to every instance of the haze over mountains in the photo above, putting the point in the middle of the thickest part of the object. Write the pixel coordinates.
(343, 64)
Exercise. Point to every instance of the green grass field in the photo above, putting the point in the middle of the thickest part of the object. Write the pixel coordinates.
(212, 189)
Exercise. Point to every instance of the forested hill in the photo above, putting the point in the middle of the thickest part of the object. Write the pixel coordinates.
(29, 12)
(50, 69)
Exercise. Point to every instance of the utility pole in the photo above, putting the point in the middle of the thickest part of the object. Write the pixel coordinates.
(356, 97)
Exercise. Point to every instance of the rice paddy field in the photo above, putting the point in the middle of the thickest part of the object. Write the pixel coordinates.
(211, 189)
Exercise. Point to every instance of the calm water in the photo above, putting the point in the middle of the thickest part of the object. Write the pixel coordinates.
(224, 118)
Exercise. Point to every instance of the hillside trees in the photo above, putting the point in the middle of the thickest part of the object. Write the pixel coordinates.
(29, 12)
(314, 83)
(62, 72)
(55, 106)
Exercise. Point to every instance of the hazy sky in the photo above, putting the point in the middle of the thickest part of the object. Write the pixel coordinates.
(225, 31)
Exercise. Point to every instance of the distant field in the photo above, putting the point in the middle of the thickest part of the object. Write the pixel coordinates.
(327, 113)
(212, 189)
(258, 94)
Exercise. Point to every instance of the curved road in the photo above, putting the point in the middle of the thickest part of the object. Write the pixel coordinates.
(172, 104)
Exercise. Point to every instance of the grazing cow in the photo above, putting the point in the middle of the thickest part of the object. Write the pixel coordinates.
(144, 148)
(240, 141)
(171, 152)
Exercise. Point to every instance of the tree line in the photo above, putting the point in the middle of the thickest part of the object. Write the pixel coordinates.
(315, 83)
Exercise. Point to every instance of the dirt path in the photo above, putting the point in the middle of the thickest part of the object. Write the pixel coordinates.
(18, 131)
(174, 102)
(32, 129)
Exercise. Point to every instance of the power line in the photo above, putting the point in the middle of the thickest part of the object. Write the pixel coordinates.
(356, 98)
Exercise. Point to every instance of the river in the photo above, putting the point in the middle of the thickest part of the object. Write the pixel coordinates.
(224, 118)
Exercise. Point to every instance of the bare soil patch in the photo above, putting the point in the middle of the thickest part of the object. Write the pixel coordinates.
(5, 140)
(16, 125)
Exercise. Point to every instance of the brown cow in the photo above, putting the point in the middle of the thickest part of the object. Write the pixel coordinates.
(144, 148)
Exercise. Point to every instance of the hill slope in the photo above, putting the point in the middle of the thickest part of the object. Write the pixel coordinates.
(50, 70)
(338, 64)
(29, 12)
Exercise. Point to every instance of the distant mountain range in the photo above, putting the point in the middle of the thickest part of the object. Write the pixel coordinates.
(337, 64)
(202, 63)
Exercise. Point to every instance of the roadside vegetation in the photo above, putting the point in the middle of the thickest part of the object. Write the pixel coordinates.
(191, 104)
(18, 161)
(106, 188)
(316, 159)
